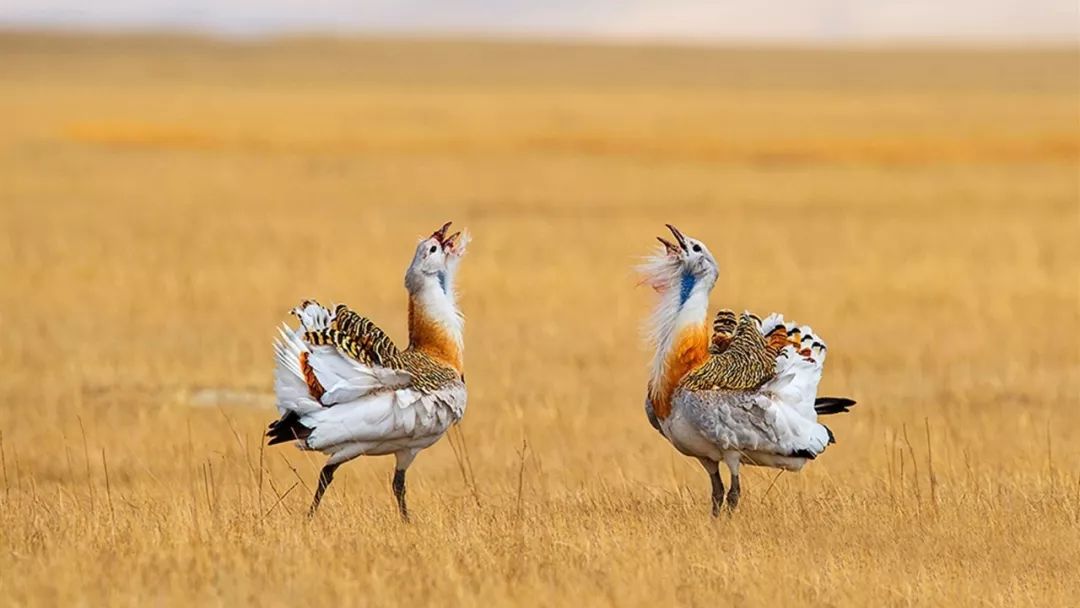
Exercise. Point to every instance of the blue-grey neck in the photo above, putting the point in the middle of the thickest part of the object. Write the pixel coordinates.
(686, 286)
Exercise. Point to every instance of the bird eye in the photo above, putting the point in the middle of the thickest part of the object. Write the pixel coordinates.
(697, 248)
(433, 248)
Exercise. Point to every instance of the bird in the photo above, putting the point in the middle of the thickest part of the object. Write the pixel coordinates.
(747, 393)
(345, 389)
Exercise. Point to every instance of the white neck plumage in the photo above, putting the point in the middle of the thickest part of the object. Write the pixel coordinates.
(436, 301)
(435, 324)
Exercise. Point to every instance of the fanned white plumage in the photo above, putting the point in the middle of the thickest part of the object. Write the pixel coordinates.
(363, 409)
(313, 316)
(794, 388)
(342, 377)
(775, 425)
(374, 410)
(383, 420)
(771, 322)
(290, 388)
(797, 374)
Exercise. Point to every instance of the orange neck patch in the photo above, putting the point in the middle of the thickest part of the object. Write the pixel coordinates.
(688, 351)
(431, 338)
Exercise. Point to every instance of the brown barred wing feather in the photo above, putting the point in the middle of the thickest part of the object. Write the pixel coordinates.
(748, 361)
(723, 331)
(367, 336)
(428, 374)
(424, 372)
(355, 336)
(344, 343)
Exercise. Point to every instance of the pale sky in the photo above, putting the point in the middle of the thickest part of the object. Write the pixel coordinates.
(834, 21)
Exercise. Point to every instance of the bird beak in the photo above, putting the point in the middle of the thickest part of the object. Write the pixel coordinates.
(672, 248)
(679, 238)
(449, 242)
(440, 234)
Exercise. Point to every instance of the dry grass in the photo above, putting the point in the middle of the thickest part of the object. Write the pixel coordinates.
(162, 203)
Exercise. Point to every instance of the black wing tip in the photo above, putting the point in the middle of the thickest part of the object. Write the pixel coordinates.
(825, 406)
(287, 429)
(807, 454)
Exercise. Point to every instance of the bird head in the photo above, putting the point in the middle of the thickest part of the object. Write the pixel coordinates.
(686, 260)
(436, 258)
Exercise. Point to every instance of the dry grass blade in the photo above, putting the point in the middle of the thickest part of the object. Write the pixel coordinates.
(86, 459)
(914, 468)
(457, 443)
(930, 465)
(521, 477)
(3, 466)
(296, 473)
(239, 442)
(280, 499)
(108, 491)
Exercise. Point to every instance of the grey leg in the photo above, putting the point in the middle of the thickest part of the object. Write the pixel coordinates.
(404, 459)
(325, 477)
(732, 462)
(733, 493)
(713, 469)
(717, 492)
(399, 493)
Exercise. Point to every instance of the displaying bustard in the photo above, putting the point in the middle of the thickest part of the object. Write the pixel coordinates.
(344, 388)
(744, 395)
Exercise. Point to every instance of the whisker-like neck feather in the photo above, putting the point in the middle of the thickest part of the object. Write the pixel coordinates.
(672, 316)
(678, 331)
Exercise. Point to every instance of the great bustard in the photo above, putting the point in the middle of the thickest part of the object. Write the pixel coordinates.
(344, 388)
(744, 395)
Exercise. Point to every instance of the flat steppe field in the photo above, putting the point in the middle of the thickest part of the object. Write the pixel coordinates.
(165, 201)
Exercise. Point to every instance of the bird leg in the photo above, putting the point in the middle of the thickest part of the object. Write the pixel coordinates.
(325, 477)
(717, 492)
(733, 493)
(399, 493)
(404, 459)
(713, 469)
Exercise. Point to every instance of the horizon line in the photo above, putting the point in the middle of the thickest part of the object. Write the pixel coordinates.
(228, 36)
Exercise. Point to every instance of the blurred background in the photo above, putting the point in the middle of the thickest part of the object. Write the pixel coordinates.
(176, 175)
(806, 21)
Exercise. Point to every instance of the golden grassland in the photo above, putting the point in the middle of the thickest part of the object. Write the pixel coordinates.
(164, 201)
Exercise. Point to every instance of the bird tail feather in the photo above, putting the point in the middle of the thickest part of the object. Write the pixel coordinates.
(825, 406)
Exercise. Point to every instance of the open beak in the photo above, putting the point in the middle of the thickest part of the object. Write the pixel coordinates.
(672, 248)
(450, 242)
(440, 234)
(679, 238)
